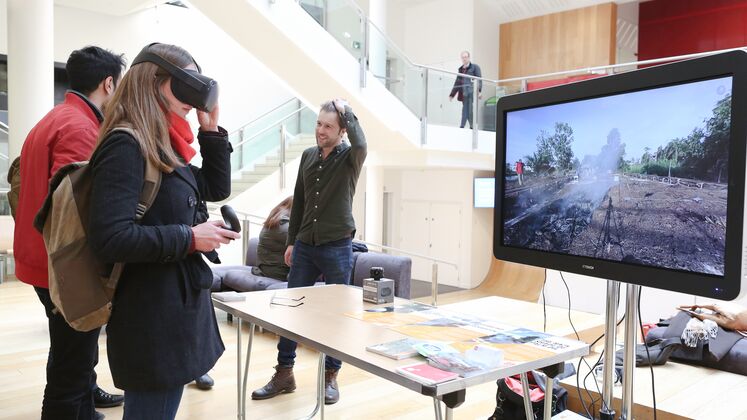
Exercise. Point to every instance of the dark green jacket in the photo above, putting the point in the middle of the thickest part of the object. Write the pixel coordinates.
(323, 199)
(271, 252)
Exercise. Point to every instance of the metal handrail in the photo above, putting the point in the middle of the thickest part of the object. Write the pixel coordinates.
(268, 128)
(215, 209)
(4, 126)
(271, 111)
(597, 69)
(434, 267)
(412, 254)
(594, 69)
(3, 156)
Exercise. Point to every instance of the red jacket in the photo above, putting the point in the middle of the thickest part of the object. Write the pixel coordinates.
(66, 134)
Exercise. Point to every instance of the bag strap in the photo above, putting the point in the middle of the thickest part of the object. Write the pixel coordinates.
(151, 185)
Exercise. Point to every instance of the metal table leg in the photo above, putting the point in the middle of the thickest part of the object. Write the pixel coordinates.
(246, 370)
(437, 408)
(527, 402)
(548, 397)
(319, 391)
(241, 381)
(239, 393)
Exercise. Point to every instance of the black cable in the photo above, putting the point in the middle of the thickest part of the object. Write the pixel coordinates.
(568, 290)
(598, 362)
(648, 354)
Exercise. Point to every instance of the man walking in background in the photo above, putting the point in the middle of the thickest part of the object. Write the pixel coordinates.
(463, 87)
(66, 134)
(321, 228)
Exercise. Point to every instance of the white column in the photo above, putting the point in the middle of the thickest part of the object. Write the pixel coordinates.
(374, 204)
(377, 50)
(30, 66)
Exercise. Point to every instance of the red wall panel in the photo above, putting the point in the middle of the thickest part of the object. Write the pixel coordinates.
(676, 27)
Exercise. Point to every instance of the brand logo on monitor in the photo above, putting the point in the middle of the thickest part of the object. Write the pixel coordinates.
(587, 267)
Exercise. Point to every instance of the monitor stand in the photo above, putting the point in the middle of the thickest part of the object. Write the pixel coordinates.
(607, 411)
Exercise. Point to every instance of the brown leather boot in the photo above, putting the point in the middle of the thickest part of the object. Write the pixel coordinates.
(281, 381)
(331, 391)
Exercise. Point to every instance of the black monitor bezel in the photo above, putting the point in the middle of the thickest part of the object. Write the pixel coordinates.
(727, 287)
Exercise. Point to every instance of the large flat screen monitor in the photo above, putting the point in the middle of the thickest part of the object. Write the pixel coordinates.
(637, 177)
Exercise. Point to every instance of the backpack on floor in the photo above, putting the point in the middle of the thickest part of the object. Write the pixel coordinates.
(81, 286)
(509, 398)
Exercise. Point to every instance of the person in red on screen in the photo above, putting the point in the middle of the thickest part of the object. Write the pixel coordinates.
(520, 171)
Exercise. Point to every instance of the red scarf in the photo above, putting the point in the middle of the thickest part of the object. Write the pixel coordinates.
(181, 137)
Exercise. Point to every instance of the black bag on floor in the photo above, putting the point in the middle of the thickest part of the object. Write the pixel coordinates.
(509, 398)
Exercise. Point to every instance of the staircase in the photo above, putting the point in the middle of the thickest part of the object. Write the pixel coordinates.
(246, 178)
(324, 50)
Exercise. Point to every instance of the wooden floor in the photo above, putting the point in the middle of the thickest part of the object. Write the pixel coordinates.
(24, 345)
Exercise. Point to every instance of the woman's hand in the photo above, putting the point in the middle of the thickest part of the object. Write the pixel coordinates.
(209, 121)
(727, 315)
(209, 235)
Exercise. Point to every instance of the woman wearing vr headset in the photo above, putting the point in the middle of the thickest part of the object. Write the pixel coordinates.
(162, 333)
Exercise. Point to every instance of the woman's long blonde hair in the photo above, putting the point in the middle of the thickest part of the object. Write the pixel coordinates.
(138, 104)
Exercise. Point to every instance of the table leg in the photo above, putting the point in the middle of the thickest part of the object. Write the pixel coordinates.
(437, 408)
(246, 370)
(239, 413)
(527, 401)
(319, 391)
(449, 413)
(548, 397)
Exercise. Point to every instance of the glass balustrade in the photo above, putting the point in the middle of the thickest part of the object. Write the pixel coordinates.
(262, 137)
(390, 67)
(424, 90)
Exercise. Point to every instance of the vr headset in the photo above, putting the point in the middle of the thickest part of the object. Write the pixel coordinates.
(188, 86)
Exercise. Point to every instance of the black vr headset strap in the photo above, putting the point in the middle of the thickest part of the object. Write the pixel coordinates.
(173, 70)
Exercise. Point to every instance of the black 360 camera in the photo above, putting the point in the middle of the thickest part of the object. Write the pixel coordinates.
(377, 273)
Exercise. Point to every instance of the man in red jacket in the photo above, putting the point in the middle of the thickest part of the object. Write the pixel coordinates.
(66, 134)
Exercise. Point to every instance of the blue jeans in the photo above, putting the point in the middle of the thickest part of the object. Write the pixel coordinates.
(466, 111)
(152, 405)
(334, 261)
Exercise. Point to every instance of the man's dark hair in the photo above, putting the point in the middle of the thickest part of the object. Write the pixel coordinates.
(329, 106)
(89, 66)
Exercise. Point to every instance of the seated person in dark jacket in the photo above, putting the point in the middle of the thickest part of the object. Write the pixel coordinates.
(162, 333)
(271, 247)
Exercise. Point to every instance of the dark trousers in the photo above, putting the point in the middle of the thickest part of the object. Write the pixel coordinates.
(333, 260)
(152, 405)
(70, 375)
(466, 111)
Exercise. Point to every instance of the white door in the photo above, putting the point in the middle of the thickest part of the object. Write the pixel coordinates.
(445, 235)
(414, 236)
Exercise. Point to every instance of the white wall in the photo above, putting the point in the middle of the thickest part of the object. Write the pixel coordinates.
(443, 30)
(471, 233)
(486, 39)
(248, 88)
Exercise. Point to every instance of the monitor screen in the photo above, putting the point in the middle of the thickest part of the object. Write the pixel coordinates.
(484, 192)
(633, 177)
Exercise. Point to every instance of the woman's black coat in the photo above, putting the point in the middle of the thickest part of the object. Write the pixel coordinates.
(162, 332)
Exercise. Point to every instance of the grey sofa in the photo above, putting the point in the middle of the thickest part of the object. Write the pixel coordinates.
(241, 279)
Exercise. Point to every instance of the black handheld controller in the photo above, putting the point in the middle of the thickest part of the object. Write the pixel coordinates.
(230, 219)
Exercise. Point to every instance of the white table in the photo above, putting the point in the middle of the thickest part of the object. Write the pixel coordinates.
(325, 306)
